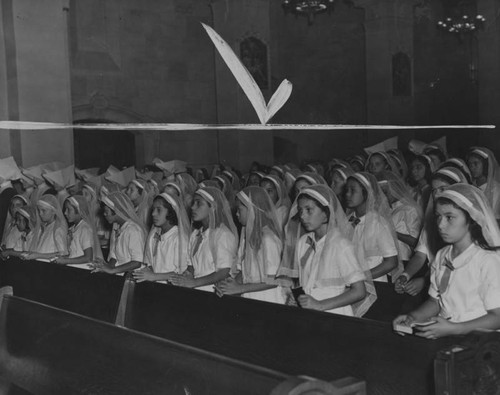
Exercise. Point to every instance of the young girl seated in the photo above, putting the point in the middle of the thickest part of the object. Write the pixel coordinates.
(460, 165)
(415, 277)
(213, 247)
(126, 252)
(421, 170)
(50, 236)
(465, 275)
(378, 162)
(259, 253)
(305, 180)
(11, 233)
(83, 242)
(374, 234)
(339, 180)
(167, 243)
(406, 214)
(486, 175)
(325, 260)
(276, 190)
(25, 219)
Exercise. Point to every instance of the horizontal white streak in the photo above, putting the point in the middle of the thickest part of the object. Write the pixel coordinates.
(20, 125)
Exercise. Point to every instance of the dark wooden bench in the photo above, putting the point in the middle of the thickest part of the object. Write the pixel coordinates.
(44, 350)
(94, 295)
(286, 339)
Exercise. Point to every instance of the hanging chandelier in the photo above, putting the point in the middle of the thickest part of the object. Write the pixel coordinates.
(308, 8)
(462, 25)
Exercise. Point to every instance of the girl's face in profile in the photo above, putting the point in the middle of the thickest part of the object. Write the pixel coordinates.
(376, 164)
(70, 213)
(271, 190)
(200, 209)
(241, 212)
(133, 193)
(159, 213)
(451, 223)
(21, 223)
(354, 194)
(46, 214)
(109, 214)
(311, 215)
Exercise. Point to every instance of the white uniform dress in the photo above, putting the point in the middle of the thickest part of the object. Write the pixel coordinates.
(12, 236)
(384, 242)
(474, 284)
(347, 267)
(52, 240)
(127, 243)
(203, 261)
(81, 238)
(166, 259)
(272, 252)
(407, 222)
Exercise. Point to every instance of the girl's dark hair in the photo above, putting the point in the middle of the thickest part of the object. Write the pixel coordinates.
(363, 189)
(325, 209)
(475, 229)
(171, 215)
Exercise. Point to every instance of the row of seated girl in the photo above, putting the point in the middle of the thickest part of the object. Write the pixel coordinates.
(331, 255)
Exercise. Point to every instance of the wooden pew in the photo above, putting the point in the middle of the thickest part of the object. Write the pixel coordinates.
(44, 350)
(94, 295)
(282, 338)
(287, 338)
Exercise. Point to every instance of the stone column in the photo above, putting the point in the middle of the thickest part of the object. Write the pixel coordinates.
(35, 79)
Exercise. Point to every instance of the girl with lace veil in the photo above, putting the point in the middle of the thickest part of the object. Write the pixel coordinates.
(213, 245)
(276, 189)
(50, 235)
(325, 261)
(339, 180)
(259, 252)
(380, 161)
(465, 275)
(126, 252)
(486, 175)
(374, 235)
(83, 242)
(167, 243)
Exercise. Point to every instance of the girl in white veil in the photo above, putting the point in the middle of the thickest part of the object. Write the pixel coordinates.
(325, 261)
(213, 246)
(465, 275)
(374, 235)
(277, 191)
(167, 244)
(11, 233)
(259, 252)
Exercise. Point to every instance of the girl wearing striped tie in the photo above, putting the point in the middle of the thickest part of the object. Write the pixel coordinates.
(325, 261)
(213, 246)
(259, 253)
(83, 243)
(465, 275)
(167, 243)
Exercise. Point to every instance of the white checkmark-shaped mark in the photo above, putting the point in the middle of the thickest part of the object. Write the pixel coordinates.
(247, 82)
